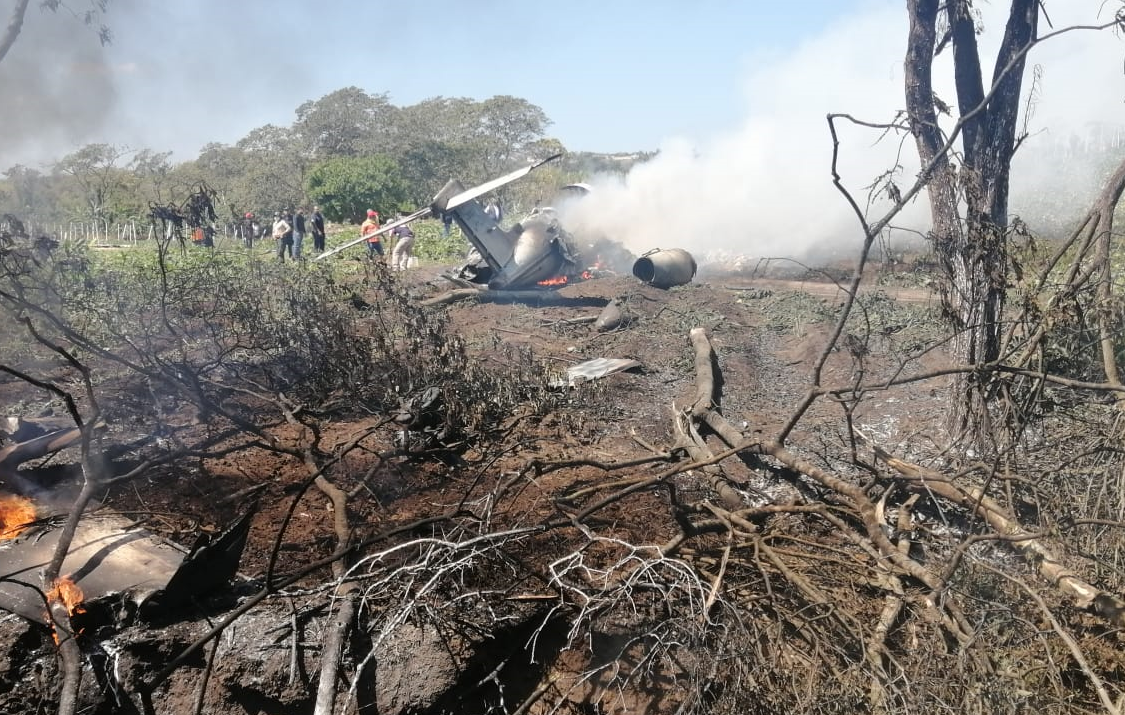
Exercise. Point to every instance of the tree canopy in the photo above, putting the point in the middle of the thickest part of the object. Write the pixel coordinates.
(345, 187)
(321, 157)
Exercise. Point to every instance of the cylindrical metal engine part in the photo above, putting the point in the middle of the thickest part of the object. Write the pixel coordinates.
(665, 268)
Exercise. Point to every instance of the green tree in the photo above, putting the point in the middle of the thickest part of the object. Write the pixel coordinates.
(541, 187)
(99, 179)
(347, 122)
(273, 169)
(508, 126)
(439, 141)
(28, 193)
(427, 165)
(448, 120)
(345, 187)
(443, 138)
(152, 171)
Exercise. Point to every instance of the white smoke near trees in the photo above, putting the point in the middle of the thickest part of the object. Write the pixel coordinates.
(765, 188)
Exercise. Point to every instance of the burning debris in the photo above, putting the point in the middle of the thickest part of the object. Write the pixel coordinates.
(110, 558)
(67, 592)
(16, 513)
(537, 252)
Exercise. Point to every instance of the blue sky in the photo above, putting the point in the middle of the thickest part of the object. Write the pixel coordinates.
(612, 75)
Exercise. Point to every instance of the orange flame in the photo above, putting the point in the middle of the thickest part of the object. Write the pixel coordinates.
(69, 594)
(66, 592)
(15, 513)
(556, 281)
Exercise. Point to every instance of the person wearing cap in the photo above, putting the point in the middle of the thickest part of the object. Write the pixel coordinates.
(249, 229)
(369, 229)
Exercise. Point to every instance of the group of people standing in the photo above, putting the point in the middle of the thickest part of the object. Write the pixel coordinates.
(290, 229)
(403, 250)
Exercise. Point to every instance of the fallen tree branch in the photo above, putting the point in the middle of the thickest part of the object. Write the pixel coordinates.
(1050, 568)
(347, 590)
(1067, 639)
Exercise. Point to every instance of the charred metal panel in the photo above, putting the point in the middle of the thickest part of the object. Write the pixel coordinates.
(494, 244)
(541, 252)
(109, 556)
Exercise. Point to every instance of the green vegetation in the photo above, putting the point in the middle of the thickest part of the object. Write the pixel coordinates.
(347, 151)
(345, 187)
(433, 245)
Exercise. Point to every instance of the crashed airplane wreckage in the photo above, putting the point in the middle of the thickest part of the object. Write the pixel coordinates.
(113, 567)
(535, 253)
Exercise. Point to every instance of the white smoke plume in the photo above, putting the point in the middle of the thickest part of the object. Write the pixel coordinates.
(765, 188)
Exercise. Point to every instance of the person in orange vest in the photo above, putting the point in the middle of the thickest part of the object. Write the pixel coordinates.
(368, 230)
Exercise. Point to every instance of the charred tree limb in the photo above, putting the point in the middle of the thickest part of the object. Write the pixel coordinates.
(453, 296)
(686, 422)
(346, 590)
(706, 393)
(149, 686)
(892, 557)
(1105, 208)
(15, 24)
(1085, 595)
(1069, 641)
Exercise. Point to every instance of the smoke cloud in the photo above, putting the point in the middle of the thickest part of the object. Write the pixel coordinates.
(765, 188)
(57, 88)
(169, 71)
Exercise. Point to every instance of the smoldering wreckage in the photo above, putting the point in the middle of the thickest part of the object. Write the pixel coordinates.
(110, 559)
(116, 571)
(537, 252)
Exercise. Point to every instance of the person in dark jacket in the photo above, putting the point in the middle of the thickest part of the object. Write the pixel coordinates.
(318, 233)
(298, 232)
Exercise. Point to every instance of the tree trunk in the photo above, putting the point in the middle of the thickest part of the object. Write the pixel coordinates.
(971, 248)
(15, 24)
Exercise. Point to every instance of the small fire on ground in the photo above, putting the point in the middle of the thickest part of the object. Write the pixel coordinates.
(563, 280)
(16, 512)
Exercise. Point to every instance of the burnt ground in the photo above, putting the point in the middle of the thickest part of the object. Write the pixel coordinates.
(767, 334)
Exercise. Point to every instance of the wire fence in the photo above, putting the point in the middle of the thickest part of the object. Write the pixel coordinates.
(96, 233)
